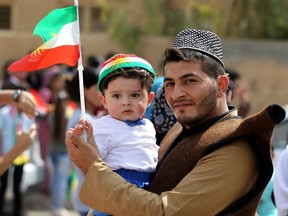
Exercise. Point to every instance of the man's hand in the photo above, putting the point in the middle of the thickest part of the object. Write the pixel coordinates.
(82, 154)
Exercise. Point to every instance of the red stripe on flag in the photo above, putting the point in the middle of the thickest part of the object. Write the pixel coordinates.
(39, 59)
(41, 105)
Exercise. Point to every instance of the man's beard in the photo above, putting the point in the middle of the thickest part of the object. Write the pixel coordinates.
(204, 108)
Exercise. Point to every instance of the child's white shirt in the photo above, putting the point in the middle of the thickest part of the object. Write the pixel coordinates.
(124, 146)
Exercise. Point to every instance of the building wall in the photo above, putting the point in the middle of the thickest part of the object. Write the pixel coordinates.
(263, 66)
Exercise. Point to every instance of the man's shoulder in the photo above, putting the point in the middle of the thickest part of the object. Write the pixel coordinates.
(240, 145)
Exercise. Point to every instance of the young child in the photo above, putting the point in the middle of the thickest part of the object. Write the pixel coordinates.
(125, 140)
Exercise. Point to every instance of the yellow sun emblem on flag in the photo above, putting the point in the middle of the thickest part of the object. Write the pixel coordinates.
(41, 48)
(38, 50)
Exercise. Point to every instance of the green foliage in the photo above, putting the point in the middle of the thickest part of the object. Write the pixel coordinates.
(161, 18)
(124, 31)
(260, 19)
(190, 15)
(265, 19)
(173, 22)
(153, 15)
(277, 25)
(201, 17)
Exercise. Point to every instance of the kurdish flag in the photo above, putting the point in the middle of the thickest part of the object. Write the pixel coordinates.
(60, 32)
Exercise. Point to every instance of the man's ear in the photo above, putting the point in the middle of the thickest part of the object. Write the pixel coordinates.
(150, 98)
(222, 82)
(103, 100)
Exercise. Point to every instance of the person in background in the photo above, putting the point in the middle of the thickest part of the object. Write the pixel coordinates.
(109, 54)
(27, 104)
(13, 123)
(24, 99)
(281, 184)
(280, 136)
(22, 142)
(52, 85)
(162, 115)
(239, 92)
(158, 81)
(125, 139)
(267, 206)
(58, 158)
(229, 92)
(92, 103)
(15, 80)
(34, 79)
(211, 162)
(94, 63)
(5, 71)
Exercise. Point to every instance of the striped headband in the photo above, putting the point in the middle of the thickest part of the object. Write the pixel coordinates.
(123, 61)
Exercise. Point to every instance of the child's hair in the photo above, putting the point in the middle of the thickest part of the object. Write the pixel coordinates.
(145, 77)
(129, 66)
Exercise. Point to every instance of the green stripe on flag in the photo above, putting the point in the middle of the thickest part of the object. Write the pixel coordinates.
(50, 25)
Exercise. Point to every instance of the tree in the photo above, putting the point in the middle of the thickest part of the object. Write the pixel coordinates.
(261, 19)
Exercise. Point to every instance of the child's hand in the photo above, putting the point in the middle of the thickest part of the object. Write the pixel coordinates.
(84, 126)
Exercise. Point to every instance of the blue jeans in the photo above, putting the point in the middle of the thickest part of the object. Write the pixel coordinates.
(59, 177)
(83, 213)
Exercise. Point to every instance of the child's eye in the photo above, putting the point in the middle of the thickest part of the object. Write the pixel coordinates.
(135, 95)
(116, 96)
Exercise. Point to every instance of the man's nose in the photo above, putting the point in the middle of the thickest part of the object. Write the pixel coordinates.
(178, 92)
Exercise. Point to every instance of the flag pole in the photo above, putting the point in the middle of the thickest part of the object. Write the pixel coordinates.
(80, 69)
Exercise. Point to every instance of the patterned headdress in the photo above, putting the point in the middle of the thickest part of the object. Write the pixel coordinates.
(200, 40)
(123, 61)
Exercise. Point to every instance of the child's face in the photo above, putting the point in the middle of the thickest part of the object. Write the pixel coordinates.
(125, 99)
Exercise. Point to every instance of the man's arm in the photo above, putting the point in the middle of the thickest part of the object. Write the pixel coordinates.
(218, 179)
(23, 141)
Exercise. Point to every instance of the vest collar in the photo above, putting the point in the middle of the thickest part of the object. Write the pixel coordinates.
(232, 113)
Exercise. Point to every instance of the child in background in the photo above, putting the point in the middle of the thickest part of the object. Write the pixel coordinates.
(125, 140)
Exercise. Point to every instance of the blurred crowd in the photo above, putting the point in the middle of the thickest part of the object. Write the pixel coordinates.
(46, 163)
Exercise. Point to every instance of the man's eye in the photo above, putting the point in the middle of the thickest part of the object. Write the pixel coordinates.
(190, 81)
(169, 84)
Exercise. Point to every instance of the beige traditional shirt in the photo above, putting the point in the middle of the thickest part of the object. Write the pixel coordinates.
(206, 190)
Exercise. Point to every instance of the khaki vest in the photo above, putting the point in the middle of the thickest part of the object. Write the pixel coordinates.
(190, 148)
